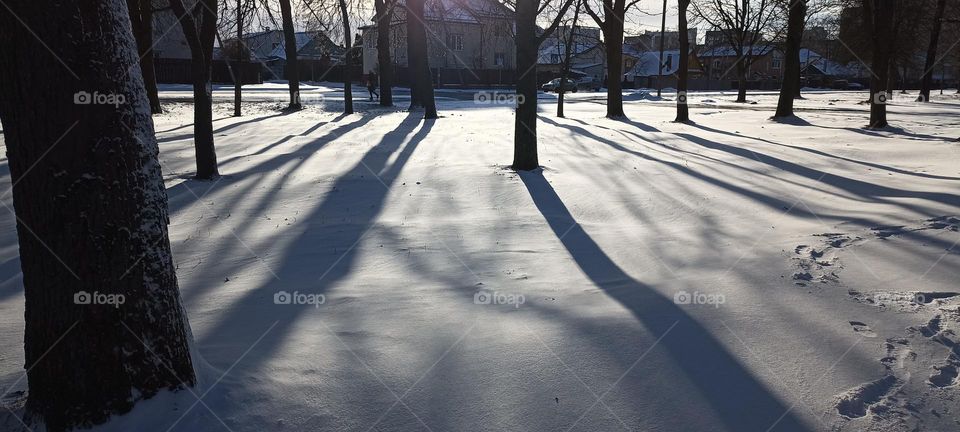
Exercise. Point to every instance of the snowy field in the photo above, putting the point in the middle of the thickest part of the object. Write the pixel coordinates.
(374, 272)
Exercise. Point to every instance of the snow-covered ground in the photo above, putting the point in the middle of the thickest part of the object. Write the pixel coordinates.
(736, 274)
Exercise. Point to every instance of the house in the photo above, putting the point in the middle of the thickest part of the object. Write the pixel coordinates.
(468, 42)
(765, 62)
(644, 73)
(650, 40)
(317, 54)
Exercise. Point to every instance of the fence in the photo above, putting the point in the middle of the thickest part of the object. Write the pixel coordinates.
(177, 71)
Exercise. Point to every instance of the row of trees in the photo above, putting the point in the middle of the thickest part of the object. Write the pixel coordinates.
(98, 198)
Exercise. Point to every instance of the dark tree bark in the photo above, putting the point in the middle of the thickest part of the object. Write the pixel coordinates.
(528, 43)
(384, 18)
(348, 59)
(421, 79)
(565, 71)
(525, 127)
(200, 29)
(791, 74)
(292, 67)
(880, 18)
(683, 70)
(412, 53)
(91, 216)
(742, 67)
(241, 51)
(141, 19)
(611, 24)
(931, 59)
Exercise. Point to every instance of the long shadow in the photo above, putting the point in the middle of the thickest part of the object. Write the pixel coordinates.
(739, 399)
(324, 250)
(853, 186)
(825, 154)
(225, 128)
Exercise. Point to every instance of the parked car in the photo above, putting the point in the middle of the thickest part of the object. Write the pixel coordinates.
(554, 86)
(588, 83)
(854, 86)
(840, 84)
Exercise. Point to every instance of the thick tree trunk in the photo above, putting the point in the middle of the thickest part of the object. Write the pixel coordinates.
(91, 211)
(348, 54)
(525, 126)
(613, 39)
(292, 67)
(683, 110)
(880, 13)
(416, 100)
(384, 18)
(791, 75)
(141, 19)
(420, 66)
(931, 60)
(200, 40)
(741, 80)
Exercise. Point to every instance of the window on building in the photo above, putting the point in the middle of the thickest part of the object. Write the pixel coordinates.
(499, 59)
(716, 64)
(455, 42)
(554, 58)
(775, 64)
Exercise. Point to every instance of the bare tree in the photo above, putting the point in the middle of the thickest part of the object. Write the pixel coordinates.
(421, 82)
(292, 67)
(880, 21)
(610, 17)
(683, 70)
(199, 25)
(384, 17)
(931, 59)
(86, 180)
(791, 76)
(567, 53)
(348, 54)
(141, 19)
(744, 24)
(528, 43)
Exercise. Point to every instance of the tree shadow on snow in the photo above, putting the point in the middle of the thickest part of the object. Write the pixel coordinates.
(738, 398)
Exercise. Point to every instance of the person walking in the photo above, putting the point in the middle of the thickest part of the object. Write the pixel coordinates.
(372, 83)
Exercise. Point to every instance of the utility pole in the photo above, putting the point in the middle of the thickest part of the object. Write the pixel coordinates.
(663, 30)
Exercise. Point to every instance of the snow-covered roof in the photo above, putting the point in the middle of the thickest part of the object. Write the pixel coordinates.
(647, 63)
(553, 47)
(810, 58)
(302, 38)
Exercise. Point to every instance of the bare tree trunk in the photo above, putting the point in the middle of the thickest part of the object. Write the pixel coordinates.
(880, 15)
(525, 127)
(791, 76)
(931, 60)
(292, 67)
(200, 40)
(741, 79)
(663, 30)
(91, 212)
(141, 19)
(416, 100)
(613, 39)
(420, 66)
(241, 51)
(384, 18)
(565, 71)
(348, 56)
(683, 70)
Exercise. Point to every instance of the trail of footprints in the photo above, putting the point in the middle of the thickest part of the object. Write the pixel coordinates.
(885, 397)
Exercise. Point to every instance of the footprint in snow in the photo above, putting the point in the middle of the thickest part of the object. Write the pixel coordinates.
(862, 329)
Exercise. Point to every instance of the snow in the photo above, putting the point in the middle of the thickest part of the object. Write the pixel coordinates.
(657, 264)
